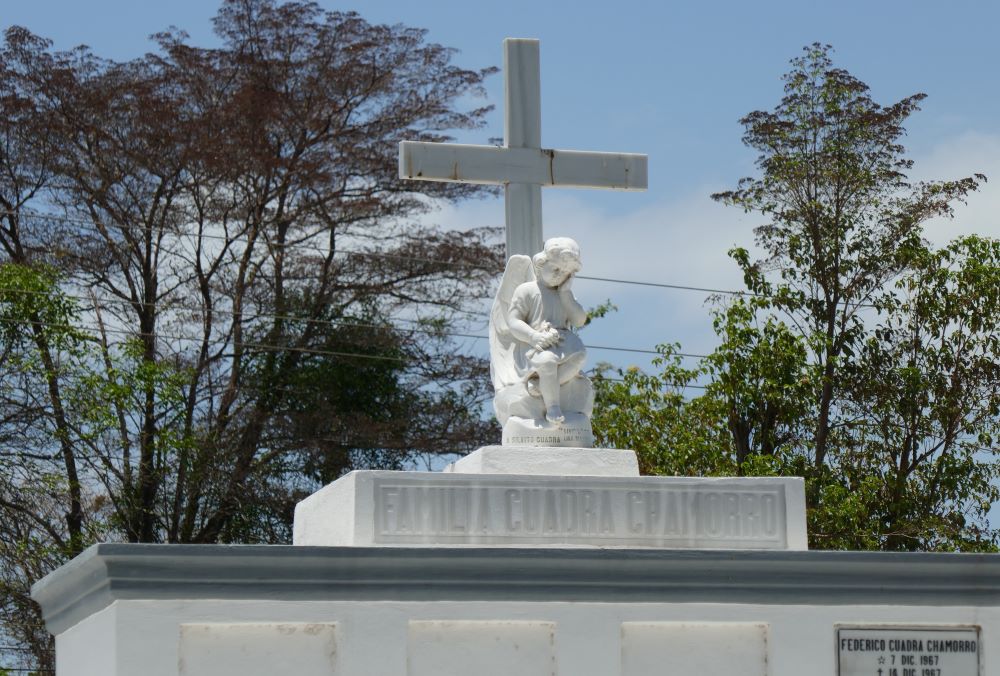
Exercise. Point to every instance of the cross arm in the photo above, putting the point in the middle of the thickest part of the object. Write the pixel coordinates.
(540, 166)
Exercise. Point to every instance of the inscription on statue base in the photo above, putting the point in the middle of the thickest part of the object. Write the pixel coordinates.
(575, 431)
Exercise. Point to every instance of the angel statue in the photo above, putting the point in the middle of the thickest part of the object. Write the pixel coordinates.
(536, 356)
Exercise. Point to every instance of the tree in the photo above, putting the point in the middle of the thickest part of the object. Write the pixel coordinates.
(860, 358)
(760, 372)
(46, 505)
(231, 302)
(845, 222)
(671, 433)
(923, 398)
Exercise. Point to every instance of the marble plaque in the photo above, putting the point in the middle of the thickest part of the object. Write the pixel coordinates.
(257, 649)
(880, 650)
(697, 648)
(481, 648)
(514, 510)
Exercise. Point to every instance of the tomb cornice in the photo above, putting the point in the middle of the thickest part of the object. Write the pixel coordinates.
(106, 573)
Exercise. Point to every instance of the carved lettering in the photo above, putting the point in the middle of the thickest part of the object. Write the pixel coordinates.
(502, 510)
(483, 522)
(633, 500)
(606, 516)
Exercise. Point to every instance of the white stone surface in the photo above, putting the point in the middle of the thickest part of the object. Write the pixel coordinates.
(374, 638)
(481, 648)
(460, 163)
(522, 128)
(522, 165)
(91, 648)
(367, 508)
(335, 514)
(258, 649)
(522, 93)
(695, 648)
(532, 460)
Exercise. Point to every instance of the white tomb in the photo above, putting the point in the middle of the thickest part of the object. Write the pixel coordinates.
(442, 602)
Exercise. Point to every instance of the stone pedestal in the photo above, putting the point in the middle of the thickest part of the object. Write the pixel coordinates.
(558, 497)
(532, 460)
(397, 508)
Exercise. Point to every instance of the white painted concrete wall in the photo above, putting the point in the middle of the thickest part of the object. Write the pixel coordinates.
(170, 638)
(90, 648)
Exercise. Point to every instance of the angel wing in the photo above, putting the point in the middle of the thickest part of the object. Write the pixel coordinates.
(502, 344)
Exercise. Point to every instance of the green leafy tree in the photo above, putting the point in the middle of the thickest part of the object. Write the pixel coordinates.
(922, 404)
(760, 373)
(672, 433)
(844, 220)
(845, 227)
(860, 358)
(46, 504)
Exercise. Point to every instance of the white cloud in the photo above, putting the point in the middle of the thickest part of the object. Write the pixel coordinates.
(960, 156)
(685, 241)
(682, 242)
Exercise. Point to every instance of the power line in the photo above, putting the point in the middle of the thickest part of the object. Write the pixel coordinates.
(236, 344)
(681, 287)
(664, 285)
(298, 349)
(326, 322)
(89, 225)
(273, 348)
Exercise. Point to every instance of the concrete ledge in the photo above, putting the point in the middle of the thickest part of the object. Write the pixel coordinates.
(109, 572)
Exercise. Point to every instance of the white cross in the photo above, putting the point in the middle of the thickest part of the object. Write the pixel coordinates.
(522, 166)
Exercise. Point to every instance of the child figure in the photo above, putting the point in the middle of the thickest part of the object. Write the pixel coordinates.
(541, 316)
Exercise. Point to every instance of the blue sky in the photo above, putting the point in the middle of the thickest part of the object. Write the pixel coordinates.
(670, 80)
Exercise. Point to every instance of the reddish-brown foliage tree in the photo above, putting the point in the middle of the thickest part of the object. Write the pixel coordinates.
(236, 300)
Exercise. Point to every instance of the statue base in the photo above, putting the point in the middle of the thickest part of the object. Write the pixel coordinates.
(485, 505)
(532, 460)
(574, 432)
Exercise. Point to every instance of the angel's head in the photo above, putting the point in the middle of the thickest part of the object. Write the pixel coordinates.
(557, 261)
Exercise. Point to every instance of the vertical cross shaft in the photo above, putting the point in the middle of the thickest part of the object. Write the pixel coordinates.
(522, 129)
(521, 165)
